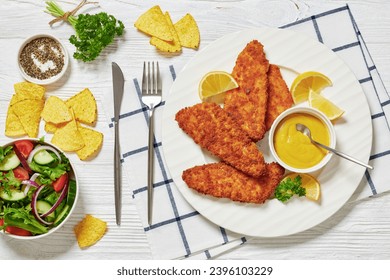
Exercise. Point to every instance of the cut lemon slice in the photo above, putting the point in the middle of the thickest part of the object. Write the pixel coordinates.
(307, 82)
(214, 85)
(312, 186)
(319, 102)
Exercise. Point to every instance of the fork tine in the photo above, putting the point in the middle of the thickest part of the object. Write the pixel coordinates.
(144, 81)
(149, 91)
(153, 79)
(159, 84)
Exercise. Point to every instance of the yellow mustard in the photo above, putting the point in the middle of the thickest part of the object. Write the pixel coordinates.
(294, 148)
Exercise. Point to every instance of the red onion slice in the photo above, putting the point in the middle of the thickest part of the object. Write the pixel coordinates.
(22, 160)
(30, 183)
(60, 199)
(34, 206)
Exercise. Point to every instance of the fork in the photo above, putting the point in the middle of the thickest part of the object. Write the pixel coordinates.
(151, 97)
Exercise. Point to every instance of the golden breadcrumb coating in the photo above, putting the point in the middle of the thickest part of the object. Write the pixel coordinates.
(247, 104)
(213, 129)
(279, 96)
(223, 181)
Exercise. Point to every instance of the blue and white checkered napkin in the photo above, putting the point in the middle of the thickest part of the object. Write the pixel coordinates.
(180, 231)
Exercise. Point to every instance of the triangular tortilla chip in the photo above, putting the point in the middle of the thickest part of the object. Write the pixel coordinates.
(165, 46)
(29, 113)
(89, 231)
(188, 32)
(51, 127)
(27, 90)
(13, 126)
(84, 107)
(56, 111)
(68, 137)
(153, 22)
(93, 142)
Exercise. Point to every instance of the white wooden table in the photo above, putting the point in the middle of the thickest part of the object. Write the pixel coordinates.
(357, 231)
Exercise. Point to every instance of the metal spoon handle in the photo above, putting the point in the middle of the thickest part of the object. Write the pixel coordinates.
(342, 155)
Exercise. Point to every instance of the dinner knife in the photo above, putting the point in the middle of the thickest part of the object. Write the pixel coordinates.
(117, 84)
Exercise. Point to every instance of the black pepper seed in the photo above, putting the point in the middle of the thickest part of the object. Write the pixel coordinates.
(38, 52)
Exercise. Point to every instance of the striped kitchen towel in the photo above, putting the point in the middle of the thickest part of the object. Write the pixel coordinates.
(179, 231)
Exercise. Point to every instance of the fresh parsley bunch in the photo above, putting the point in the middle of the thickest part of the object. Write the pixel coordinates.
(288, 188)
(93, 32)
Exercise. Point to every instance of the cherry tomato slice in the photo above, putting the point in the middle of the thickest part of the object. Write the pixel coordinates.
(17, 231)
(59, 184)
(21, 173)
(25, 147)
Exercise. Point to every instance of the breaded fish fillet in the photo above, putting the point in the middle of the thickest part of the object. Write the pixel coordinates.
(247, 104)
(224, 181)
(213, 129)
(279, 96)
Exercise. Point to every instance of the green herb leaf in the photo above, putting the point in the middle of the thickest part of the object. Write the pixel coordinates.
(93, 34)
(22, 219)
(4, 152)
(288, 188)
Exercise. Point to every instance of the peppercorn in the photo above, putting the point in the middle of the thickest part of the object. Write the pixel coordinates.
(42, 58)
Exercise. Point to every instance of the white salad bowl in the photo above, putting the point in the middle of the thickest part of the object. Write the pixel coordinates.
(69, 208)
(49, 80)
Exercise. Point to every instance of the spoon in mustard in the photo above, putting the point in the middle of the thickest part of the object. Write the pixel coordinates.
(306, 131)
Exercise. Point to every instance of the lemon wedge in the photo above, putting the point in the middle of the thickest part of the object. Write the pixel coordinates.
(331, 110)
(310, 81)
(214, 85)
(312, 186)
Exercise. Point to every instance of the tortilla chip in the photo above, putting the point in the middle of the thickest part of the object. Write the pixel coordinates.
(27, 90)
(174, 45)
(153, 22)
(68, 137)
(89, 231)
(13, 126)
(15, 98)
(51, 127)
(56, 111)
(29, 113)
(84, 107)
(188, 32)
(93, 141)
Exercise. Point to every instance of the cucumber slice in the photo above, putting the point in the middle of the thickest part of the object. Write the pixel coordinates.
(43, 157)
(15, 195)
(43, 207)
(60, 207)
(62, 216)
(71, 193)
(11, 161)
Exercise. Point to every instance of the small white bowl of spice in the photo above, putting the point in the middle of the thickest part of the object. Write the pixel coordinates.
(42, 59)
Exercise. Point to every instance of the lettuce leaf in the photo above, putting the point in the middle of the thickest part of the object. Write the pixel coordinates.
(4, 152)
(21, 218)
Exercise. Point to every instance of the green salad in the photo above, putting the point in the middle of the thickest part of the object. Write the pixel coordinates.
(36, 190)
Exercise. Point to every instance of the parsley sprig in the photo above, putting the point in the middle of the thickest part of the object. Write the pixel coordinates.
(93, 32)
(288, 188)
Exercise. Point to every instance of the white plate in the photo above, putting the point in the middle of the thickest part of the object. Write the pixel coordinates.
(339, 179)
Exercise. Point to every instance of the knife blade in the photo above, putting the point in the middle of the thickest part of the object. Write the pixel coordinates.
(117, 85)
